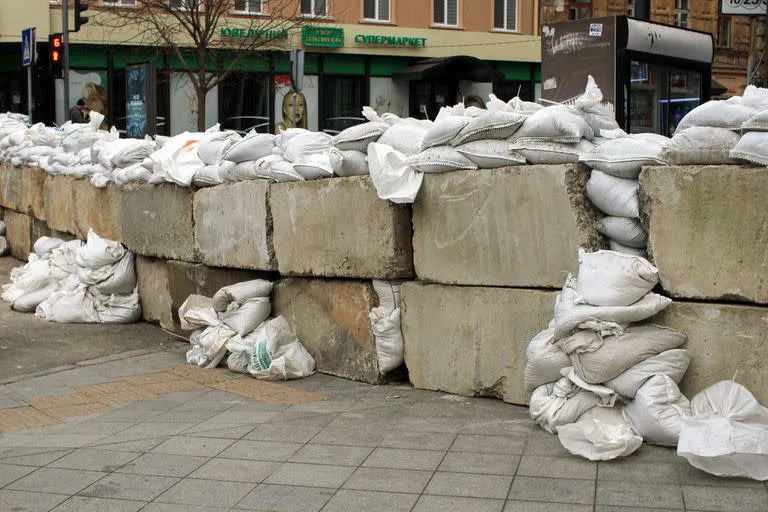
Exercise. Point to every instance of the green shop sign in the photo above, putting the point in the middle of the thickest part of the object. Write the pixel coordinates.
(322, 36)
(390, 40)
(253, 33)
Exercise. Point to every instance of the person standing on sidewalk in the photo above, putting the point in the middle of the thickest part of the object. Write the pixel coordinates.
(76, 113)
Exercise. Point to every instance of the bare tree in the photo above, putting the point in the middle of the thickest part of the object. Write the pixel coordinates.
(199, 32)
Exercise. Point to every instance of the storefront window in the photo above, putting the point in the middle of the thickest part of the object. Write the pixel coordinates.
(446, 12)
(508, 89)
(244, 102)
(314, 7)
(505, 14)
(342, 103)
(376, 10)
(116, 95)
(248, 6)
(427, 96)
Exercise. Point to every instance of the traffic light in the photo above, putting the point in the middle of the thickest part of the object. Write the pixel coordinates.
(80, 8)
(54, 55)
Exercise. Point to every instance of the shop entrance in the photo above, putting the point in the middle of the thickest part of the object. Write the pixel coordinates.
(427, 96)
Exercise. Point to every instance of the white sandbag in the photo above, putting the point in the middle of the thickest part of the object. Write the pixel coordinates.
(494, 104)
(672, 363)
(493, 125)
(393, 179)
(601, 122)
(101, 180)
(558, 123)
(606, 396)
(609, 278)
(209, 175)
(314, 166)
(715, 113)
(98, 252)
(624, 230)
(305, 144)
(755, 97)
(278, 354)
(2, 229)
(632, 251)
(544, 360)
(388, 293)
(560, 403)
(570, 314)
(250, 148)
(616, 354)
(727, 432)
(357, 138)
(442, 132)
(68, 306)
(542, 151)
(117, 309)
(43, 246)
(527, 107)
(601, 433)
(439, 159)
(624, 157)
(490, 153)
(752, 147)
(209, 345)
(385, 325)
(348, 162)
(657, 411)
(236, 294)
(612, 195)
(701, 145)
(197, 312)
(125, 152)
(183, 165)
(757, 123)
(240, 349)
(246, 317)
(213, 144)
(406, 137)
(34, 294)
(271, 167)
(123, 279)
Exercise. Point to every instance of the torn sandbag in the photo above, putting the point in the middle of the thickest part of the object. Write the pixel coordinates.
(240, 349)
(601, 433)
(197, 312)
(209, 345)
(278, 354)
(240, 292)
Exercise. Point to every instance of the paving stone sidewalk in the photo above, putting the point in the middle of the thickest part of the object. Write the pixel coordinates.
(148, 433)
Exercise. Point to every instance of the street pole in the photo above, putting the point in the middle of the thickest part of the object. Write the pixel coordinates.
(29, 92)
(65, 53)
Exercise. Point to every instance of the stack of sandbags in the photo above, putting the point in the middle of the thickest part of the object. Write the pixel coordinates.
(753, 145)
(72, 282)
(597, 353)
(236, 320)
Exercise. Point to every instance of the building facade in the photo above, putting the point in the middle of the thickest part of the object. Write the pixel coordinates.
(401, 56)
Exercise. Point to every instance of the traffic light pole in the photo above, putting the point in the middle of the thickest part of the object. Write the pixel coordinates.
(65, 54)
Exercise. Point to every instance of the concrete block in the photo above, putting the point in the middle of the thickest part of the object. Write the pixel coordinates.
(340, 228)
(514, 226)
(18, 232)
(59, 203)
(471, 340)
(233, 225)
(707, 230)
(39, 228)
(331, 319)
(10, 187)
(100, 209)
(33, 192)
(157, 221)
(185, 279)
(154, 293)
(726, 341)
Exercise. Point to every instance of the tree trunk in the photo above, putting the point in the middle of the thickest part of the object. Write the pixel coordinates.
(201, 93)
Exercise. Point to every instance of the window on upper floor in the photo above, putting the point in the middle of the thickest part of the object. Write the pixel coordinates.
(247, 6)
(182, 4)
(631, 8)
(314, 7)
(724, 32)
(579, 9)
(505, 14)
(681, 13)
(446, 12)
(116, 2)
(376, 10)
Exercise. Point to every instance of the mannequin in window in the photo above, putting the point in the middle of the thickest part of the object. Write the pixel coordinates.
(289, 100)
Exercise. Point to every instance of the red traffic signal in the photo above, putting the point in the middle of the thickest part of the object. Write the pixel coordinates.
(54, 55)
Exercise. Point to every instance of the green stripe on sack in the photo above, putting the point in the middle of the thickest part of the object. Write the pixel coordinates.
(260, 359)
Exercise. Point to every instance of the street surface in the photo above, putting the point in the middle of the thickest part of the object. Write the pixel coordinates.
(141, 430)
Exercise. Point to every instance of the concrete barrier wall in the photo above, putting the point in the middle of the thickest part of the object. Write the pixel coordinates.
(485, 252)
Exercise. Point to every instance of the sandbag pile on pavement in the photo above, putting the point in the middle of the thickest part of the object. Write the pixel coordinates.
(76, 282)
(604, 379)
(236, 322)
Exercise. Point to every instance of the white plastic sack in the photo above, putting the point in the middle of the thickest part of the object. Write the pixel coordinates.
(314, 166)
(439, 159)
(406, 137)
(385, 325)
(700, 145)
(600, 434)
(752, 147)
(240, 349)
(214, 143)
(544, 360)
(278, 354)
(210, 175)
(197, 312)
(757, 123)
(117, 309)
(493, 125)
(209, 345)
(657, 411)
(357, 138)
(99, 252)
(303, 145)
(271, 167)
(632, 251)
(68, 306)
(236, 294)
(672, 363)
(612, 195)
(727, 433)
(246, 317)
(624, 157)
(34, 294)
(542, 151)
(626, 231)
(558, 123)
(491, 153)
(393, 179)
(443, 131)
(609, 278)
(715, 113)
(123, 278)
(44, 245)
(348, 162)
(560, 403)
(250, 148)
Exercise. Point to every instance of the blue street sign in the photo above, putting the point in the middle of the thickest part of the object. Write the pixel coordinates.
(28, 46)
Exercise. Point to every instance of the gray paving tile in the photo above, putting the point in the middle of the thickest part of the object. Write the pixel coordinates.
(541, 442)
(90, 426)
(653, 453)
(391, 480)
(469, 485)
(347, 500)
(639, 494)
(174, 507)
(348, 437)
(192, 416)
(208, 493)
(94, 460)
(331, 454)
(489, 444)
(310, 475)
(397, 458)
(498, 426)
(220, 431)
(721, 499)
(261, 450)
(29, 501)
(422, 424)
(553, 490)
(285, 498)
(127, 486)
(283, 433)
(483, 463)
(65, 440)
(10, 473)
(305, 419)
(235, 470)
(456, 504)
(161, 464)
(139, 445)
(418, 440)
(689, 475)
(532, 506)
(154, 429)
(190, 445)
(20, 451)
(36, 459)
(87, 504)
(610, 508)
(631, 470)
(54, 480)
(242, 417)
(557, 467)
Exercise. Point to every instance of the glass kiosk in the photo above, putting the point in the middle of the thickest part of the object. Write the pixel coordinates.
(650, 74)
